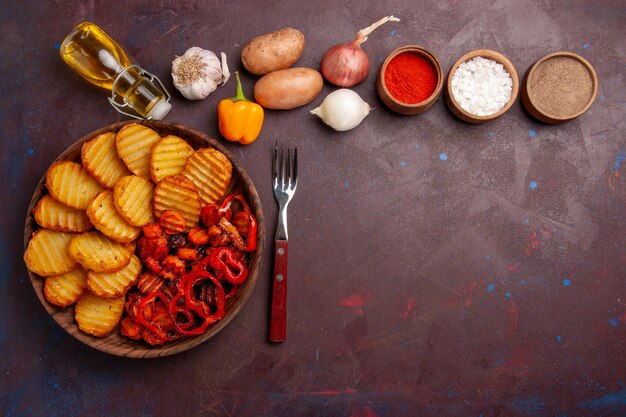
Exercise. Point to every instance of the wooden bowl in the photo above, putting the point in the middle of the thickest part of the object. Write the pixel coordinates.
(405, 108)
(454, 105)
(571, 99)
(115, 343)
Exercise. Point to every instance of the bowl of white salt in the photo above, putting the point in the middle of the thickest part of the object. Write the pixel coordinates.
(481, 86)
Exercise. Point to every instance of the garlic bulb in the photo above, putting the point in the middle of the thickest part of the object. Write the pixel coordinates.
(342, 110)
(198, 72)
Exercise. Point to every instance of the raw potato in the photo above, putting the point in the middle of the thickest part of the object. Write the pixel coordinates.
(289, 88)
(273, 51)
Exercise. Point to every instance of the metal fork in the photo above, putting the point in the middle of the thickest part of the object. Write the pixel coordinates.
(284, 182)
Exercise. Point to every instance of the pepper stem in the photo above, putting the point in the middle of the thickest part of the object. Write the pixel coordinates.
(362, 35)
(239, 95)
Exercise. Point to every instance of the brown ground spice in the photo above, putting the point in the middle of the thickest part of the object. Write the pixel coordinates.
(561, 86)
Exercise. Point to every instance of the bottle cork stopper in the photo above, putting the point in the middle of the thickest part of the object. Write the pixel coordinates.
(160, 110)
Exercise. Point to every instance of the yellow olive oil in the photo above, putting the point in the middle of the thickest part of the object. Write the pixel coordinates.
(100, 60)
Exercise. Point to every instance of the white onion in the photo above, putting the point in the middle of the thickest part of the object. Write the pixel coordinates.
(342, 110)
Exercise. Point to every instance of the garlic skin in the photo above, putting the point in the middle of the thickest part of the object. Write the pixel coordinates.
(198, 72)
(342, 110)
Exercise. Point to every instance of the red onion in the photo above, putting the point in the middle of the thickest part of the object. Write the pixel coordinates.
(346, 64)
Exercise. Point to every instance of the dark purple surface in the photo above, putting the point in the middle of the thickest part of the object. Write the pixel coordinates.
(436, 268)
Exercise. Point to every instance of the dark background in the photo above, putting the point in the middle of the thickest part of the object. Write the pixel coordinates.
(436, 267)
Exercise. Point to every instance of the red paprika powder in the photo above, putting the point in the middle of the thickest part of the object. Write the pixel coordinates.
(410, 78)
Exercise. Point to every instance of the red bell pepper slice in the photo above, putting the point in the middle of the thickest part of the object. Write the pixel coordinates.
(212, 213)
(228, 266)
(197, 330)
(251, 237)
(252, 230)
(192, 307)
(176, 309)
(232, 291)
(148, 304)
(201, 306)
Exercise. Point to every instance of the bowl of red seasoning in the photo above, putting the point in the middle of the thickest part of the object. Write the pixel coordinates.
(410, 80)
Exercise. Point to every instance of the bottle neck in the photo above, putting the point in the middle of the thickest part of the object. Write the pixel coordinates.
(136, 92)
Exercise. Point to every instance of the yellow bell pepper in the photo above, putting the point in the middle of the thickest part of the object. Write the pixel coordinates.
(240, 120)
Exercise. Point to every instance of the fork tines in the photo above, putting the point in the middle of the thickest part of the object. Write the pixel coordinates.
(285, 167)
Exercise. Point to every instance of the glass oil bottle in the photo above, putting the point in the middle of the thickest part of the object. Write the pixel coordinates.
(100, 60)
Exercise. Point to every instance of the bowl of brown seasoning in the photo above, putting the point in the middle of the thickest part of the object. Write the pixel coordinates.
(559, 87)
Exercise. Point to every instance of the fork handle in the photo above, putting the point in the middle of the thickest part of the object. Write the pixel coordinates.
(278, 316)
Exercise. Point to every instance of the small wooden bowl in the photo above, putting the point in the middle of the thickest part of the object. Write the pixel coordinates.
(533, 79)
(405, 108)
(115, 343)
(454, 105)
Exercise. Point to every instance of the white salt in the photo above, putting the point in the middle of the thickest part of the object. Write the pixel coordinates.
(481, 86)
